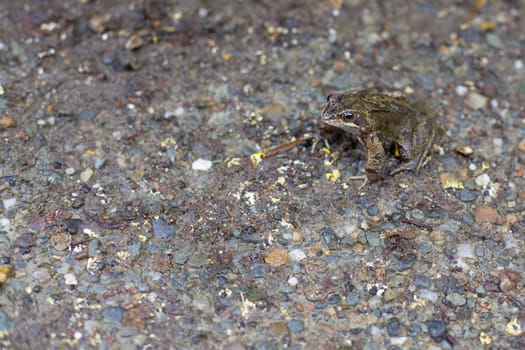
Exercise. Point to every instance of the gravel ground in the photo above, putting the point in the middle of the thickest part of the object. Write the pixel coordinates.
(137, 211)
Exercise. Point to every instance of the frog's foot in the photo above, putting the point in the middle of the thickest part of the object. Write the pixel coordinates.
(413, 165)
(316, 139)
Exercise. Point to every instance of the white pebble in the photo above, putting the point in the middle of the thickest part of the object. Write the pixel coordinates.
(494, 103)
(8, 203)
(70, 171)
(293, 281)
(428, 295)
(70, 279)
(178, 112)
(4, 223)
(483, 180)
(461, 90)
(498, 142)
(475, 100)
(472, 167)
(465, 250)
(518, 64)
(86, 175)
(296, 255)
(201, 164)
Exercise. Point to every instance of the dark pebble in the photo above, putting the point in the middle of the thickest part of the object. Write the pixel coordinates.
(406, 262)
(72, 225)
(259, 271)
(85, 188)
(328, 235)
(77, 203)
(6, 260)
(266, 344)
(114, 314)
(296, 326)
(414, 329)
(162, 229)
(466, 195)
(333, 299)
(393, 327)
(372, 210)
(436, 329)
(25, 240)
(11, 213)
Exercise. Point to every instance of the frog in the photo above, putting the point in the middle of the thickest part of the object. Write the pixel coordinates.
(385, 123)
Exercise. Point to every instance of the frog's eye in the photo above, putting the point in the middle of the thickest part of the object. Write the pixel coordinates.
(347, 116)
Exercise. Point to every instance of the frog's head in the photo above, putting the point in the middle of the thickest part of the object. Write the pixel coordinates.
(345, 111)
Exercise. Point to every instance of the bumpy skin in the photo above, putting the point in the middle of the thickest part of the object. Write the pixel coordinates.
(383, 123)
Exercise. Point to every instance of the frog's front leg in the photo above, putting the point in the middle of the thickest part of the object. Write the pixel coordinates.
(376, 160)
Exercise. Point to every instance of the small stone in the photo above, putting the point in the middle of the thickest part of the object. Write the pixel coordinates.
(464, 150)
(296, 255)
(5, 323)
(373, 238)
(293, 281)
(70, 279)
(465, 250)
(466, 195)
(456, 299)
(86, 175)
(487, 214)
(296, 326)
(483, 180)
(393, 327)
(505, 284)
(476, 101)
(70, 171)
(422, 281)
(99, 23)
(134, 42)
(201, 302)
(461, 90)
(114, 314)
(61, 240)
(162, 229)
(328, 235)
(8, 203)
(259, 271)
(99, 162)
(277, 257)
(436, 329)
(201, 165)
(7, 122)
(72, 225)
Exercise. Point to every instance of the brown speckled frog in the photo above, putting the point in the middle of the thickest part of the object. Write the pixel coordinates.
(385, 124)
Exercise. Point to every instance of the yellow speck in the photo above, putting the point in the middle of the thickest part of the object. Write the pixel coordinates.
(91, 152)
(513, 327)
(4, 273)
(257, 157)
(447, 181)
(487, 25)
(326, 151)
(328, 162)
(233, 162)
(408, 90)
(485, 165)
(123, 254)
(281, 180)
(396, 151)
(151, 110)
(334, 175)
(227, 57)
(484, 338)
(49, 109)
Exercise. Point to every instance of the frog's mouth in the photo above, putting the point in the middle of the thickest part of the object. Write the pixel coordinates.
(337, 122)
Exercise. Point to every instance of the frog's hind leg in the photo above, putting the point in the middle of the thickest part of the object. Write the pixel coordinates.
(417, 162)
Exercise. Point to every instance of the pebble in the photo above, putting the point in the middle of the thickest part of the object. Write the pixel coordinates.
(72, 225)
(259, 271)
(482, 180)
(393, 327)
(277, 257)
(422, 281)
(476, 101)
(466, 195)
(201, 165)
(86, 175)
(70, 279)
(296, 255)
(293, 281)
(8, 203)
(162, 229)
(436, 329)
(7, 122)
(465, 250)
(296, 326)
(114, 314)
(328, 235)
(487, 214)
(461, 90)
(373, 238)
(182, 255)
(456, 299)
